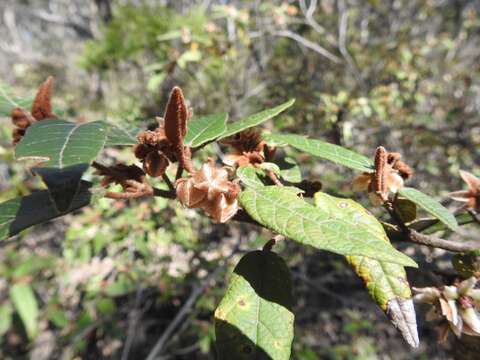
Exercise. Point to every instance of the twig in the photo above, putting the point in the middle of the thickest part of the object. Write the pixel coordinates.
(168, 194)
(168, 182)
(450, 245)
(308, 13)
(308, 44)
(179, 173)
(430, 240)
(196, 292)
(342, 42)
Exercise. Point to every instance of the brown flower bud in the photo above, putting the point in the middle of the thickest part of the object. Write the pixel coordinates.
(379, 175)
(20, 118)
(141, 151)
(176, 116)
(389, 175)
(403, 169)
(155, 164)
(42, 106)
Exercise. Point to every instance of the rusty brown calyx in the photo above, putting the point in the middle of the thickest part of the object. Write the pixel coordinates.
(388, 177)
(248, 148)
(209, 189)
(41, 110)
(471, 196)
(157, 148)
(130, 177)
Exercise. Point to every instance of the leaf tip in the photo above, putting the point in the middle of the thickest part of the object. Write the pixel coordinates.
(402, 315)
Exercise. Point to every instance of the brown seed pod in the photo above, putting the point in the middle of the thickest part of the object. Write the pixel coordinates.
(20, 118)
(405, 171)
(393, 157)
(155, 164)
(176, 115)
(141, 151)
(209, 189)
(380, 164)
(42, 106)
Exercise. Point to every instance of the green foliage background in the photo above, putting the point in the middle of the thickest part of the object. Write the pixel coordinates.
(406, 75)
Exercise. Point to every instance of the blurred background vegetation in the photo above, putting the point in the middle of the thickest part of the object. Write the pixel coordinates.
(109, 280)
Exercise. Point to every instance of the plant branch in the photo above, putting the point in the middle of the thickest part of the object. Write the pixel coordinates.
(308, 44)
(429, 240)
(450, 245)
(168, 182)
(168, 194)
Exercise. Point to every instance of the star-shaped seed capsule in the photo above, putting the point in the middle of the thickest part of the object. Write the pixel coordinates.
(470, 197)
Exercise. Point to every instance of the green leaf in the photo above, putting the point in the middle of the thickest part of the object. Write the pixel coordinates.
(25, 303)
(250, 176)
(406, 209)
(8, 101)
(65, 150)
(5, 318)
(118, 135)
(205, 129)
(272, 140)
(331, 152)
(255, 119)
(269, 166)
(386, 282)
(22, 212)
(431, 205)
(254, 319)
(280, 210)
(290, 171)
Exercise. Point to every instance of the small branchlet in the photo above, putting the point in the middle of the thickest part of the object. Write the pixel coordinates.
(130, 177)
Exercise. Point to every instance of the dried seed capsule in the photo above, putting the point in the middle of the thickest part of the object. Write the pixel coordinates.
(155, 164)
(20, 118)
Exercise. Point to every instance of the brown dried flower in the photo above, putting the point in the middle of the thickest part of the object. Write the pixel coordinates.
(248, 149)
(389, 175)
(130, 177)
(166, 143)
(41, 110)
(458, 305)
(470, 197)
(209, 189)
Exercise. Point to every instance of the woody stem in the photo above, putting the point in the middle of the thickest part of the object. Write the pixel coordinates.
(430, 240)
(179, 173)
(168, 194)
(168, 181)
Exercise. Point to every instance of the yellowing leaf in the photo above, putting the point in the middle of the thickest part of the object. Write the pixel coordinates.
(386, 282)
